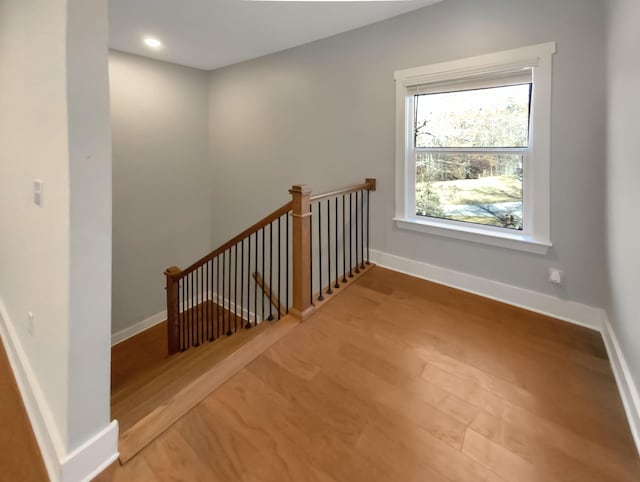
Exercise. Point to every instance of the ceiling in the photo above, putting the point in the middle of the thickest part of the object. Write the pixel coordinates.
(208, 34)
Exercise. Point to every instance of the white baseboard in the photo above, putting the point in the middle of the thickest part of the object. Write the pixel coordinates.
(83, 463)
(40, 416)
(138, 327)
(626, 386)
(95, 455)
(577, 313)
(153, 320)
(570, 311)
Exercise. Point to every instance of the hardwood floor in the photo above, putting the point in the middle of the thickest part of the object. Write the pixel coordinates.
(151, 391)
(402, 380)
(20, 458)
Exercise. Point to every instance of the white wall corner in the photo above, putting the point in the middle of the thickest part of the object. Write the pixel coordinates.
(82, 464)
(576, 313)
(626, 386)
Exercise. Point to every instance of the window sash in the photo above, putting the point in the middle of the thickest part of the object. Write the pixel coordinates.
(526, 183)
(410, 187)
(490, 83)
(473, 150)
(485, 82)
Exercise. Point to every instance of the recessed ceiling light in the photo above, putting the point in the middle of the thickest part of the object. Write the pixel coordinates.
(152, 42)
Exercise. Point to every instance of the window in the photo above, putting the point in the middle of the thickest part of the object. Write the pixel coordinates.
(473, 148)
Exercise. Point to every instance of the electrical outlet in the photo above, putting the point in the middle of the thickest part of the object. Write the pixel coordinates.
(30, 323)
(555, 276)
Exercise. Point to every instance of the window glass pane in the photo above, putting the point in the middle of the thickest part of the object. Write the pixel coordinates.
(493, 117)
(475, 188)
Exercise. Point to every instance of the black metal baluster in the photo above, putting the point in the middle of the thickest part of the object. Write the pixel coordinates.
(185, 310)
(270, 271)
(185, 321)
(287, 261)
(187, 315)
(361, 229)
(229, 333)
(203, 306)
(199, 307)
(218, 296)
(344, 241)
(329, 290)
(337, 285)
(210, 303)
(311, 254)
(255, 294)
(196, 283)
(191, 309)
(248, 325)
(263, 276)
(242, 283)
(183, 337)
(368, 192)
(235, 291)
(224, 286)
(320, 297)
(350, 236)
(198, 273)
(214, 292)
(211, 306)
(205, 303)
(357, 268)
(279, 264)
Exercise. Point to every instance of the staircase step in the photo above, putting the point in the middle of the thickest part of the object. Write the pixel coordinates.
(186, 382)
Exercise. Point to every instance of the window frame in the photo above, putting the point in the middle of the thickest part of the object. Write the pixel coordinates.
(458, 75)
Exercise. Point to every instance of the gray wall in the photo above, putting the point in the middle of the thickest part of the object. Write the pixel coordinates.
(161, 179)
(622, 177)
(323, 113)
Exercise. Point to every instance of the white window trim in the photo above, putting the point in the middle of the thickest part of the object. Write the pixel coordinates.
(536, 236)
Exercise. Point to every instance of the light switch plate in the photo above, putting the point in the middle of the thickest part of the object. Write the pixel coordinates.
(38, 187)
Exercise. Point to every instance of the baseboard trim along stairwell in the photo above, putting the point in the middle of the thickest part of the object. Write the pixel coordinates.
(158, 318)
(569, 311)
(83, 463)
(138, 327)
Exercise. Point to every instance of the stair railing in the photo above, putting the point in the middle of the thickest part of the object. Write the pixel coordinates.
(339, 238)
(269, 269)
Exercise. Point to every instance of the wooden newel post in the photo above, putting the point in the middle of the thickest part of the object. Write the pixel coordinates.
(173, 309)
(301, 238)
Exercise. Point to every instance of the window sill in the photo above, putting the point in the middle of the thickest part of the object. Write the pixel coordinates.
(515, 241)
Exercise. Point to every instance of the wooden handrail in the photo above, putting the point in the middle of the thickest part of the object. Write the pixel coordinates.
(369, 184)
(235, 240)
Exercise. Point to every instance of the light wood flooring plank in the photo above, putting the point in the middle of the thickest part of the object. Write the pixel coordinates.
(402, 380)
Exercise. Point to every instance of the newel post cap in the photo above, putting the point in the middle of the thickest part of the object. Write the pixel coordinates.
(372, 183)
(172, 271)
(301, 189)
